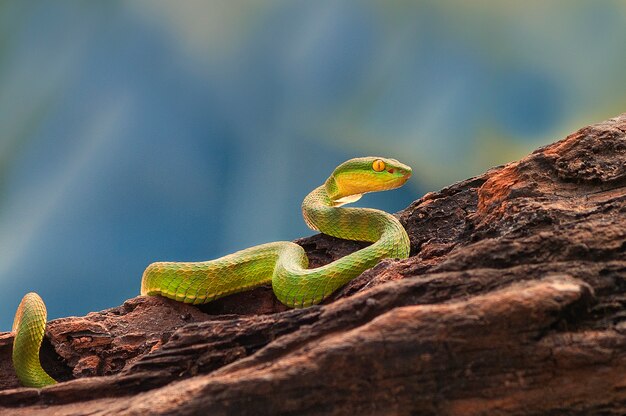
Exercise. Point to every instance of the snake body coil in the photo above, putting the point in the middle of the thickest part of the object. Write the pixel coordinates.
(283, 264)
(29, 325)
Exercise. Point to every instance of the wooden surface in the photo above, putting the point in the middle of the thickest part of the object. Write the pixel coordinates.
(512, 303)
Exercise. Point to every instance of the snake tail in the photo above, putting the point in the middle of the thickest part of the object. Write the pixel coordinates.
(29, 326)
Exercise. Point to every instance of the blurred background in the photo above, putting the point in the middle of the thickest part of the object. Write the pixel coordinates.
(184, 130)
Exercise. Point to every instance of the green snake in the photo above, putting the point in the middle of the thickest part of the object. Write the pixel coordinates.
(282, 264)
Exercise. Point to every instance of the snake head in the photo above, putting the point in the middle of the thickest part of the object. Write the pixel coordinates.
(366, 174)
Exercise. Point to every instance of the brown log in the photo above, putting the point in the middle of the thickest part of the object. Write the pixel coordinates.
(512, 302)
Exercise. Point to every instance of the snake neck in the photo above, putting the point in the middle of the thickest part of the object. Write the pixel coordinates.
(313, 203)
(322, 213)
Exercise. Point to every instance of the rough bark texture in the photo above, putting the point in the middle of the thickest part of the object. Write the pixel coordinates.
(512, 302)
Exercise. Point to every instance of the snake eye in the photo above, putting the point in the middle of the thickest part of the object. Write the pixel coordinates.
(378, 165)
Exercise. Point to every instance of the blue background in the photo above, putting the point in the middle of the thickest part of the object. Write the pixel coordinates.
(153, 130)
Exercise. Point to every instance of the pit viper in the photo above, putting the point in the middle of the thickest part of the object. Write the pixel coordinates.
(282, 264)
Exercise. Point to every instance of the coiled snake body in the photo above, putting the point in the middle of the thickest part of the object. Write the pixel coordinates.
(283, 264)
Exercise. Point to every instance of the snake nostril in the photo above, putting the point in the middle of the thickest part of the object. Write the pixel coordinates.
(391, 171)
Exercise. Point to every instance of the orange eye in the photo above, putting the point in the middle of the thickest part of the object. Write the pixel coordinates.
(378, 165)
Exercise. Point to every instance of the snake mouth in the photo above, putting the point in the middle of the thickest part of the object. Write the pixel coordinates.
(396, 181)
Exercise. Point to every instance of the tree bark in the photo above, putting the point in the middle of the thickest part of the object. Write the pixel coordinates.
(512, 302)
